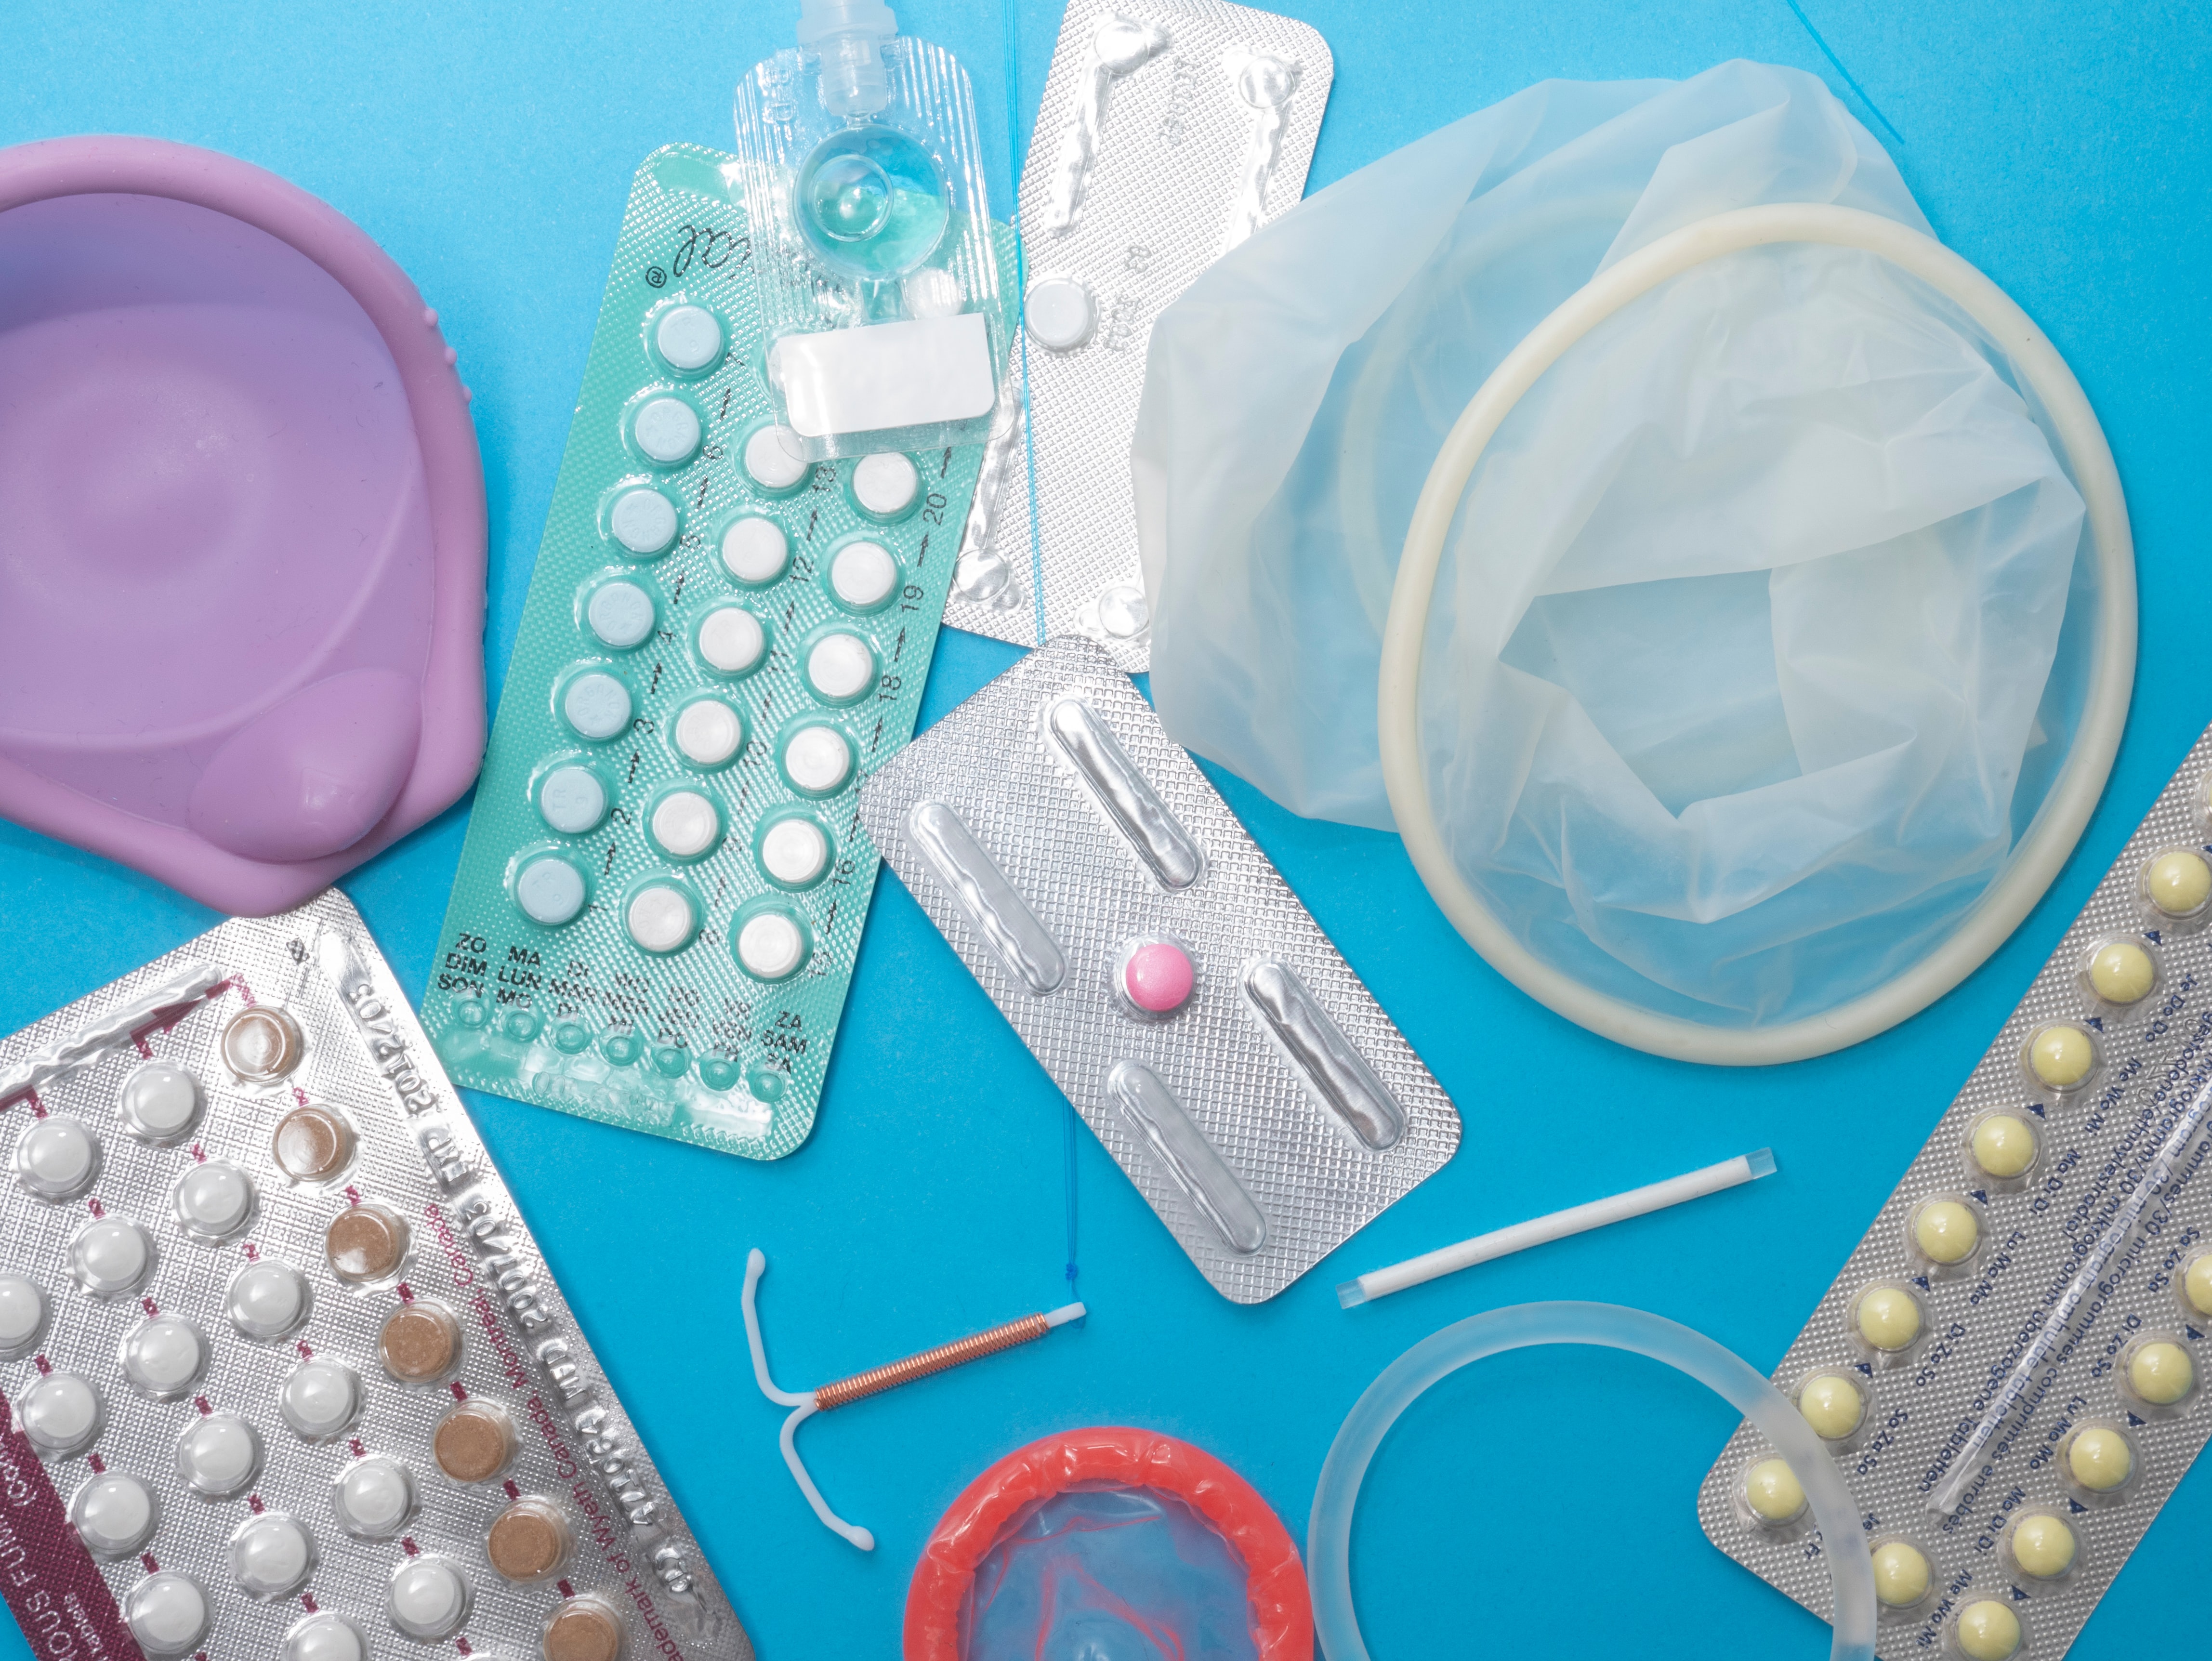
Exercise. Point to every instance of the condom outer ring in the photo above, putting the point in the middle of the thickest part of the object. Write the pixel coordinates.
(1607, 1326)
(2058, 824)
(1275, 1582)
(450, 746)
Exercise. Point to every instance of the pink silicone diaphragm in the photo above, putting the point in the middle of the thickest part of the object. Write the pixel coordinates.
(1157, 978)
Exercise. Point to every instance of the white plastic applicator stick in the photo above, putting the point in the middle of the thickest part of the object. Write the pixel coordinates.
(1575, 1220)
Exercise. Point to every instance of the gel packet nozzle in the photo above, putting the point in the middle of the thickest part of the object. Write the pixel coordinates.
(878, 287)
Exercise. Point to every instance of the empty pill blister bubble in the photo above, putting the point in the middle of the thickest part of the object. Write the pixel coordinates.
(621, 614)
(818, 759)
(586, 1629)
(666, 430)
(771, 946)
(572, 801)
(420, 1342)
(1772, 1491)
(1901, 1574)
(213, 1200)
(885, 485)
(2061, 1056)
(160, 1102)
(319, 1399)
(731, 640)
(754, 550)
(2099, 1458)
(374, 1497)
(219, 1454)
(688, 338)
(22, 1315)
(794, 851)
(325, 1637)
(2121, 972)
(2002, 1144)
(111, 1257)
(1988, 1631)
(551, 891)
(840, 667)
(163, 1357)
(271, 1556)
(57, 1158)
(2042, 1545)
(643, 520)
(167, 1613)
(708, 732)
(474, 1442)
(114, 1514)
(2177, 882)
(773, 460)
(1832, 1405)
(660, 917)
(267, 1300)
(596, 705)
(60, 1414)
(1887, 1318)
(529, 1541)
(311, 1144)
(863, 574)
(427, 1598)
(2159, 1371)
(262, 1045)
(1946, 1232)
(685, 824)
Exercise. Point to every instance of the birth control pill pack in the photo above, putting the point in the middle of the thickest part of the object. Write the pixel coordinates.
(664, 881)
(1168, 132)
(285, 1373)
(2011, 1368)
(1150, 955)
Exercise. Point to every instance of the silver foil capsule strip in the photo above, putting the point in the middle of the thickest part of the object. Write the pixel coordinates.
(1277, 1098)
(1170, 131)
(994, 904)
(1133, 806)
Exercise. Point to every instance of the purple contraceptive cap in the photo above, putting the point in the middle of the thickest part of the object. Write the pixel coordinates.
(242, 526)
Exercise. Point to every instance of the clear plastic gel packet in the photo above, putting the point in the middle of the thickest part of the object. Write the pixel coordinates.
(286, 1375)
(1147, 952)
(1168, 132)
(2011, 1368)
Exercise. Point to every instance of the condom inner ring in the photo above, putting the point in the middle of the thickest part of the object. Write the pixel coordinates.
(1607, 1326)
(1110, 1456)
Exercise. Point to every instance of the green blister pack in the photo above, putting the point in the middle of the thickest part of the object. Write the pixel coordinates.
(665, 875)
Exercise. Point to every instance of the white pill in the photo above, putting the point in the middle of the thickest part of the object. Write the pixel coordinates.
(932, 291)
(659, 918)
(774, 460)
(708, 732)
(168, 1613)
(56, 1158)
(22, 1315)
(794, 851)
(214, 1200)
(113, 1514)
(572, 800)
(840, 666)
(685, 824)
(271, 1556)
(620, 614)
(427, 1597)
(219, 1454)
(885, 484)
(667, 430)
(731, 639)
(770, 945)
(597, 705)
(266, 1299)
(756, 550)
(319, 1399)
(60, 1414)
(549, 891)
(111, 1257)
(818, 759)
(1059, 313)
(689, 337)
(325, 1638)
(1123, 611)
(863, 574)
(375, 1498)
(160, 1102)
(643, 521)
(163, 1356)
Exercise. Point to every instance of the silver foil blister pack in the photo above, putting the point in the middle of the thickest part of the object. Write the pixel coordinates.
(1078, 862)
(2048, 1249)
(286, 1373)
(1168, 132)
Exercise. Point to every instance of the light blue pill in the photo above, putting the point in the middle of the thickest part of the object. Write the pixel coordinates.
(643, 521)
(620, 614)
(597, 705)
(551, 891)
(573, 799)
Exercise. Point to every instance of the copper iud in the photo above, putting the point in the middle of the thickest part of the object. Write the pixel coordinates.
(874, 1382)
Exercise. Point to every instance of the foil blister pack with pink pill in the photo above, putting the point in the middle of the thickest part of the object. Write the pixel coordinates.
(285, 1373)
(2013, 1362)
(1170, 131)
(1151, 957)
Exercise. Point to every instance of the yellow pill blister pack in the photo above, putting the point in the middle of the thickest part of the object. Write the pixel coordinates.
(2010, 1370)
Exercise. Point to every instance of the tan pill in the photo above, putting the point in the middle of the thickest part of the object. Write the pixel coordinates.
(474, 1443)
(312, 1145)
(1773, 1492)
(1900, 1575)
(583, 1629)
(529, 1540)
(2043, 1546)
(261, 1045)
(419, 1343)
(1888, 1318)
(366, 1242)
(1946, 1232)
(2099, 1459)
(1988, 1631)
(2003, 1145)
(2121, 972)
(1831, 1404)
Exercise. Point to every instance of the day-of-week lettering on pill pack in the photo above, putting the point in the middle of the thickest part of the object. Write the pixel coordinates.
(1150, 955)
(665, 876)
(2011, 1367)
(285, 1372)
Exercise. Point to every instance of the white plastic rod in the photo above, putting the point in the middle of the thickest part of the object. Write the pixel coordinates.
(1575, 1220)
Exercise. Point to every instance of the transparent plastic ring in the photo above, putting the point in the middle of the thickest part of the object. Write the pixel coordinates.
(1607, 1326)
(2073, 794)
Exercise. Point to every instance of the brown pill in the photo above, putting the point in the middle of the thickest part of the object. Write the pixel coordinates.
(261, 1045)
(474, 1442)
(311, 1144)
(366, 1242)
(419, 1343)
(528, 1540)
(583, 1629)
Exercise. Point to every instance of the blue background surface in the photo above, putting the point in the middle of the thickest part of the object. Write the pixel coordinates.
(1540, 1504)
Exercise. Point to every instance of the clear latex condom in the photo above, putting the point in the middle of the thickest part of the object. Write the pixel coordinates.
(1607, 1326)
